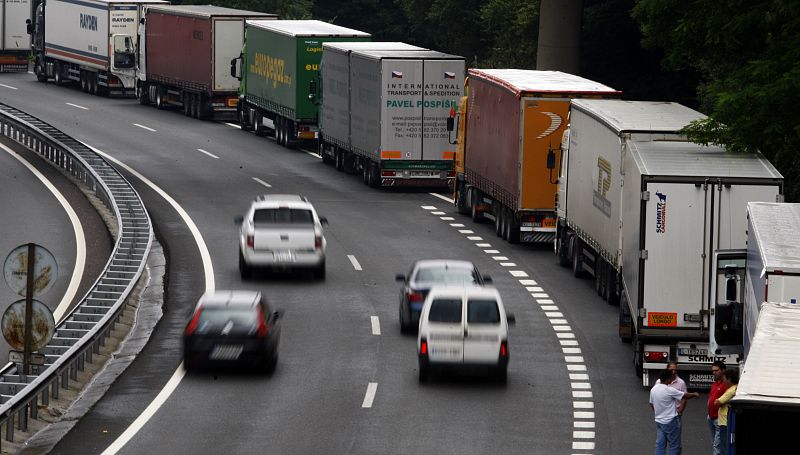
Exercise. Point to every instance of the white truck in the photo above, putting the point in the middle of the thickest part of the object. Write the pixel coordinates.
(91, 42)
(399, 103)
(643, 211)
(15, 44)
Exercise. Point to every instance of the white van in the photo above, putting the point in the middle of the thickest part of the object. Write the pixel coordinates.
(463, 326)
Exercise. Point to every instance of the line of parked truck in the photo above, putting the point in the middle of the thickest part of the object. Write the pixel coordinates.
(547, 157)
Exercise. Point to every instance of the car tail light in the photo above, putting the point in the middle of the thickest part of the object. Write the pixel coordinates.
(388, 173)
(655, 356)
(263, 329)
(504, 348)
(250, 240)
(317, 242)
(192, 325)
(415, 296)
(423, 347)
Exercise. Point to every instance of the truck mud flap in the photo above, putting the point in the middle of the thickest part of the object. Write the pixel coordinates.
(417, 183)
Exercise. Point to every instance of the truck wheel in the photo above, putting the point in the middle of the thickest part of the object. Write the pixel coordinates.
(513, 227)
(562, 244)
(461, 199)
(289, 135)
(83, 81)
(258, 119)
(160, 98)
(141, 94)
(93, 83)
(365, 171)
(475, 214)
(625, 324)
(57, 77)
(577, 257)
(243, 123)
(41, 74)
(611, 294)
(203, 109)
(187, 111)
(498, 223)
(599, 275)
(339, 160)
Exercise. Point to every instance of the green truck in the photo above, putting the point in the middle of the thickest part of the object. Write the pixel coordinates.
(278, 69)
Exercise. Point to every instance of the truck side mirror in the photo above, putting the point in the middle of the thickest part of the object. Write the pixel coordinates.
(551, 159)
(28, 26)
(730, 289)
(235, 69)
(450, 123)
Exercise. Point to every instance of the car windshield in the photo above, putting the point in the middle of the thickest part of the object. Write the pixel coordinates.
(445, 310)
(282, 215)
(483, 312)
(445, 274)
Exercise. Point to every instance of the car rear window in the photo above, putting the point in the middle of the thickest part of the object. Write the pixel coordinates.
(445, 310)
(442, 274)
(483, 312)
(282, 215)
(215, 316)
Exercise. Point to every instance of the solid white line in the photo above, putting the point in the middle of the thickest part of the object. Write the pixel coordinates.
(354, 261)
(372, 387)
(232, 124)
(262, 182)
(208, 153)
(151, 409)
(376, 325)
(80, 240)
(444, 198)
(79, 107)
(205, 256)
(8, 86)
(144, 127)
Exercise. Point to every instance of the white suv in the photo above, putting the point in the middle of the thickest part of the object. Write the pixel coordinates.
(463, 326)
(281, 231)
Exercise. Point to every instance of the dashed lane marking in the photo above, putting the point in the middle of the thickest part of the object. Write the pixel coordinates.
(262, 182)
(376, 325)
(208, 153)
(79, 107)
(354, 261)
(8, 86)
(372, 387)
(144, 127)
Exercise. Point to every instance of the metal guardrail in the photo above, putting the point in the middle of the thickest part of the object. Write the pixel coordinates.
(81, 333)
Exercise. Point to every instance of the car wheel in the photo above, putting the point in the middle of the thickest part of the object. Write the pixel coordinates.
(319, 272)
(405, 327)
(189, 364)
(270, 363)
(245, 270)
(501, 374)
(424, 372)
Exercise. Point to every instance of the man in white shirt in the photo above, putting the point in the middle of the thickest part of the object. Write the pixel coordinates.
(665, 400)
(677, 383)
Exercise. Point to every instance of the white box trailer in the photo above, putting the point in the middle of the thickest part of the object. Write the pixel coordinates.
(335, 131)
(644, 213)
(768, 270)
(91, 42)
(15, 43)
(400, 102)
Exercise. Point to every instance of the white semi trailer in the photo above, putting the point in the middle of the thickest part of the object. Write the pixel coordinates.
(15, 43)
(643, 211)
(90, 42)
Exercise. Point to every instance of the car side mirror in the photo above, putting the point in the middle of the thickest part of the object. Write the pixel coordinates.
(323, 221)
(400, 278)
(238, 220)
(487, 279)
(510, 318)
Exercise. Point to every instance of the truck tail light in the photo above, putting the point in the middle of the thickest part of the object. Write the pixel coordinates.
(192, 325)
(388, 173)
(655, 356)
(250, 241)
(423, 347)
(415, 296)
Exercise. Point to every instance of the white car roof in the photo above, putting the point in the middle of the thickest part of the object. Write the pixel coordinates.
(294, 201)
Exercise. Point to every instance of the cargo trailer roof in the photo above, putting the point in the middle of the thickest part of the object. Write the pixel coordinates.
(770, 372)
(776, 228)
(347, 46)
(208, 11)
(638, 116)
(687, 159)
(307, 28)
(529, 82)
(129, 2)
(414, 55)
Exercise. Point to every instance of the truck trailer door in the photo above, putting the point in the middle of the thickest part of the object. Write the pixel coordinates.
(401, 130)
(442, 89)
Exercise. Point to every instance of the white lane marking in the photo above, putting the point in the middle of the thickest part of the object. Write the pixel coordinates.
(583, 434)
(583, 404)
(571, 350)
(77, 227)
(372, 387)
(549, 308)
(444, 198)
(539, 295)
(140, 421)
(315, 155)
(563, 328)
(527, 282)
(508, 264)
(578, 377)
(475, 238)
(582, 424)
(483, 245)
(208, 153)
(448, 218)
(518, 273)
(544, 301)
(581, 385)
(354, 261)
(144, 127)
(376, 325)
(534, 289)
(79, 107)
(582, 445)
(428, 207)
(499, 258)
(8, 86)
(568, 342)
(565, 335)
(439, 213)
(556, 321)
(465, 231)
(583, 415)
(581, 394)
(573, 358)
(262, 182)
(491, 251)
(456, 225)
(576, 367)
(232, 124)
(208, 268)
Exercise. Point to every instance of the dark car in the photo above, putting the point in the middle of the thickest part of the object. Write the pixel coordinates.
(426, 274)
(232, 329)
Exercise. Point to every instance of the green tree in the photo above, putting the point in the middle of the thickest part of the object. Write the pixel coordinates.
(748, 54)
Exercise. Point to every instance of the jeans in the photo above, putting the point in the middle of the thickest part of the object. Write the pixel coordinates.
(723, 437)
(716, 442)
(668, 433)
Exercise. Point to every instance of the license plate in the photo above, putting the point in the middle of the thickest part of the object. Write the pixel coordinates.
(446, 353)
(422, 173)
(283, 256)
(226, 352)
(687, 351)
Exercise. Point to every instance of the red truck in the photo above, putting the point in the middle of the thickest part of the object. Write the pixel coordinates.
(184, 58)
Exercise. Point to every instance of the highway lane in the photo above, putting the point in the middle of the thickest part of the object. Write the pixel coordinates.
(31, 212)
(329, 355)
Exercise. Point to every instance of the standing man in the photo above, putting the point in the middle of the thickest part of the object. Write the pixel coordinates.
(717, 389)
(664, 400)
(677, 383)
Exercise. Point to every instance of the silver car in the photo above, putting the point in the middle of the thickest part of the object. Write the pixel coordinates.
(284, 232)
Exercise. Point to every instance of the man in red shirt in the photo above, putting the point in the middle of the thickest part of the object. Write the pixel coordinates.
(717, 389)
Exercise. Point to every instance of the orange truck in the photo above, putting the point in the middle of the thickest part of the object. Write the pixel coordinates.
(508, 147)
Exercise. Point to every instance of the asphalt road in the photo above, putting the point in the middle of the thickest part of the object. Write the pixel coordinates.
(317, 399)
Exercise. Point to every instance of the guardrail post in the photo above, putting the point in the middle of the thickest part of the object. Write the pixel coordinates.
(55, 387)
(10, 428)
(88, 354)
(22, 414)
(79, 364)
(65, 378)
(73, 371)
(46, 396)
(34, 405)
